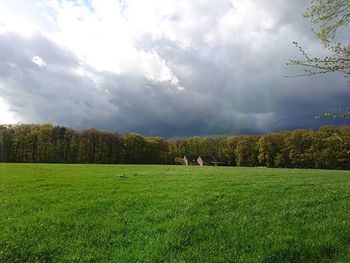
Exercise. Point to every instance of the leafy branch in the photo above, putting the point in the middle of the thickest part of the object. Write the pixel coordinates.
(330, 16)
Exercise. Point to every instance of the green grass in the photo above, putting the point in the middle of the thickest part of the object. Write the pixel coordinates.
(108, 213)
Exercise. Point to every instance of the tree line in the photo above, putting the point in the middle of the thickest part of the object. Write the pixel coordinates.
(326, 148)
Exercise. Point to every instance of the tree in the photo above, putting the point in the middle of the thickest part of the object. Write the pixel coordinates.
(270, 146)
(2, 154)
(135, 146)
(327, 148)
(331, 16)
(229, 150)
(298, 144)
(246, 151)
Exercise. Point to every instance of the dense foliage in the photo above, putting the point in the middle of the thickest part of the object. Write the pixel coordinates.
(328, 147)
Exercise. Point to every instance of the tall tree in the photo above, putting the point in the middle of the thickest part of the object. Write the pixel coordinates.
(2, 154)
(246, 151)
(270, 149)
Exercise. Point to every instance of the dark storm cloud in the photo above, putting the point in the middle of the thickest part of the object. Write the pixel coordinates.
(50, 93)
(253, 96)
(235, 85)
(56, 93)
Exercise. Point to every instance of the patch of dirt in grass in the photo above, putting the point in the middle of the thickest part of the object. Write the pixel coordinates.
(125, 176)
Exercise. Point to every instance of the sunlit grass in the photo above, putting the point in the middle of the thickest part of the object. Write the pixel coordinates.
(101, 213)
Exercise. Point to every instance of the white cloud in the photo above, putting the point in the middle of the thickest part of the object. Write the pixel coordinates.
(244, 23)
(105, 39)
(39, 61)
(6, 117)
(11, 22)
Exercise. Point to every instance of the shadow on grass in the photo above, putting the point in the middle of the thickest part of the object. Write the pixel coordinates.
(310, 254)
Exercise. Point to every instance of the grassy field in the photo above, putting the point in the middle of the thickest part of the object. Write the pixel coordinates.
(106, 213)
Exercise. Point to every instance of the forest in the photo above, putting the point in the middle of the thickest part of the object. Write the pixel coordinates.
(326, 148)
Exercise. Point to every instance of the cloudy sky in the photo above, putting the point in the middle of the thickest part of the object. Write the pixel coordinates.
(161, 67)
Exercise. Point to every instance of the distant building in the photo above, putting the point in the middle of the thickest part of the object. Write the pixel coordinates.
(190, 160)
(201, 160)
(208, 160)
(204, 160)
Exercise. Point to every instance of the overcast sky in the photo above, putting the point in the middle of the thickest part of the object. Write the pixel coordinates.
(169, 67)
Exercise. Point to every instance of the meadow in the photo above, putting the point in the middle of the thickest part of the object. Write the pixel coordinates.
(145, 213)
